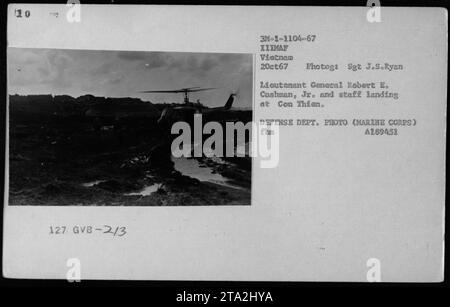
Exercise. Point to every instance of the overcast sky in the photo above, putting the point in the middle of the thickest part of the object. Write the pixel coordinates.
(125, 73)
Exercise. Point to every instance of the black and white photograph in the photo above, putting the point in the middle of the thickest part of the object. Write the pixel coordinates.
(93, 128)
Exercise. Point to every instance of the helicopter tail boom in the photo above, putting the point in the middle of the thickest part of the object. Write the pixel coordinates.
(229, 102)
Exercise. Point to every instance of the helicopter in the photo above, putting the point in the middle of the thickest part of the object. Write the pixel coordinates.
(132, 110)
(186, 111)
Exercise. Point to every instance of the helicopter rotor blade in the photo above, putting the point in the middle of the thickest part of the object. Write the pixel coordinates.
(203, 89)
(170, 91)
(183, 90)
(189, 88)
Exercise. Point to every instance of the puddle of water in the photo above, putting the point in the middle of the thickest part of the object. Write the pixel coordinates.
(146, 191)
(244, 149)
(92, 183)
(192, 168)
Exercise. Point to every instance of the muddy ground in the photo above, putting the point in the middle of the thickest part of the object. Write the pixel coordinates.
(53, 157)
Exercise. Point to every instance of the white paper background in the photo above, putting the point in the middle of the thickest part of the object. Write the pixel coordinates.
(337, 198)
